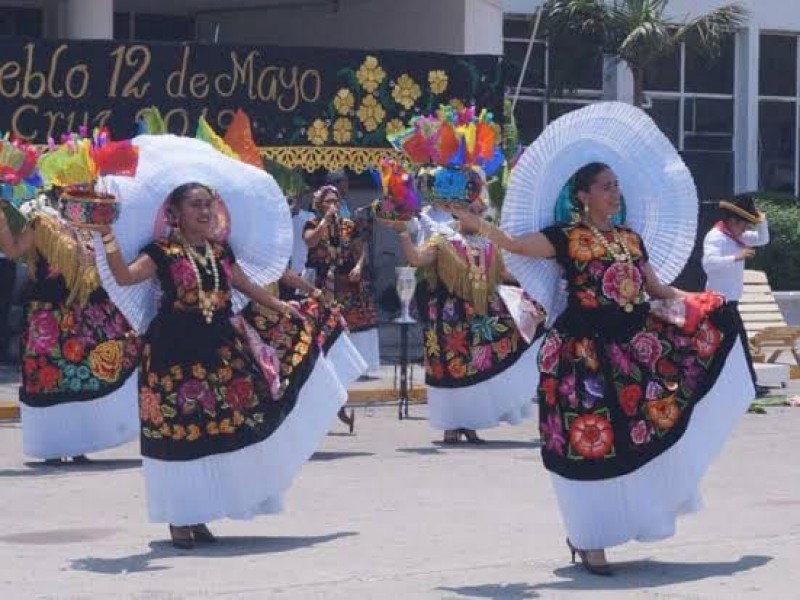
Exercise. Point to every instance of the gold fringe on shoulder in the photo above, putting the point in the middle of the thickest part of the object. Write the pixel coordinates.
(455, 273)
(58, 246)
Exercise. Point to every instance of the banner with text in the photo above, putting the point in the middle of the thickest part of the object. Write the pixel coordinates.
(296, 97)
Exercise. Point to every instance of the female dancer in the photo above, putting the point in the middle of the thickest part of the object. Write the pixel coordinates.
(79, 352)
(224, 430)
(477, 365)
(337, 254)
(628, 416)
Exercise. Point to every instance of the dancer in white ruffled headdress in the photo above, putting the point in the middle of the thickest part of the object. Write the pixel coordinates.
(640, 383)
(224, 428)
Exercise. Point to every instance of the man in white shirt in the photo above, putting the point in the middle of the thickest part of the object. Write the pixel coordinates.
(726, 248)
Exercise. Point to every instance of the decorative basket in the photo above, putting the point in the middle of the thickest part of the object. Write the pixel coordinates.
(449, 185)
(88, 209)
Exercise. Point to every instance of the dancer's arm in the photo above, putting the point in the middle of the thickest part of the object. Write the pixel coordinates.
(10, 245)
(241, 282)
(292, 279)
(141, 269)
(415, 256)
(656, 289)
(534, 244)
(313, 236)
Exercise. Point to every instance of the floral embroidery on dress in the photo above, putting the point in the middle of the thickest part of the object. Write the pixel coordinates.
(617, 382)
(78, 351)
(200, 380)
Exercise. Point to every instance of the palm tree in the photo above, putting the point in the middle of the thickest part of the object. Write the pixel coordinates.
(635, 31)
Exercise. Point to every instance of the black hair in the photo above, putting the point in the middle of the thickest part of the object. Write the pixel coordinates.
(585, 176)
(177, 195)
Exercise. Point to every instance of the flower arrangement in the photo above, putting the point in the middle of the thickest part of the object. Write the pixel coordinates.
(19, 179)
(400, 200)
(76, 166)
(455, 150)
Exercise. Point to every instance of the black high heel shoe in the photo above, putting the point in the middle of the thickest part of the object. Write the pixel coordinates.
(182, 537)
(201, 533)
(471, 436)
(603, 570)
(349, 420)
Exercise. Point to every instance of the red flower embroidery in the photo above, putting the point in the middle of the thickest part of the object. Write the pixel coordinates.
(591, 436)
(549, 389)
(629, 398)
(48, 377)
(457, 342)
(239, 394)
(707, 339)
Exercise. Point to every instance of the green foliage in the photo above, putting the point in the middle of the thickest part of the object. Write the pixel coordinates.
(635, 31)
(780, 259)
(510, 145)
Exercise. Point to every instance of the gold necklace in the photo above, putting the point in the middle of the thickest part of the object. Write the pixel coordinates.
(476, 258)
(617, 250)
(206, 300)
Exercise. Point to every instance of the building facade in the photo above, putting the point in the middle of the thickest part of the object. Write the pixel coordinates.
(735, 121)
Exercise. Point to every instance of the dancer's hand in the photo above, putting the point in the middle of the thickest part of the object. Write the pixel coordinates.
(746, 254)
(292, 309)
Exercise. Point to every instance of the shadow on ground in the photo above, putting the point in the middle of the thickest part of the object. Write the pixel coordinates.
(338, 455)
(39, 469)
(642, 574)
(225, 547)
(438, 445)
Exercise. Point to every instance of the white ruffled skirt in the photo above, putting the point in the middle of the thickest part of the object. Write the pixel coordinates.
(76, 428)
(508, 397)
(346, 360)
(643, 505)
(250, 481)
(368, 346)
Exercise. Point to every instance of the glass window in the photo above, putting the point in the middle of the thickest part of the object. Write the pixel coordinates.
(711, 76)
(776, 146)
(666, 114)
(518, 27)
(558, 109)
(21, 21)
(777, 75)
(530, 120)
(583, 71)
(514, 58)
(664, 74)
(708, 124)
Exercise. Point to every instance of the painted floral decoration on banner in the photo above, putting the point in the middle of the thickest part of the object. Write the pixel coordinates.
(372, 102)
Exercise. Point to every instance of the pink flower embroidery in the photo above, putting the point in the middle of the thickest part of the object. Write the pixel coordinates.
(567, 389)
(193, 393)
(622, 283)
(43, 332)
(482, 357)
(553, 433)
(646, 349)
(183, 274)
(640, 433)
(548, 356)
(619, 360)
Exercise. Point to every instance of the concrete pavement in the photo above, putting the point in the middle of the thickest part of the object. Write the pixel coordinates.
(388, 513)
